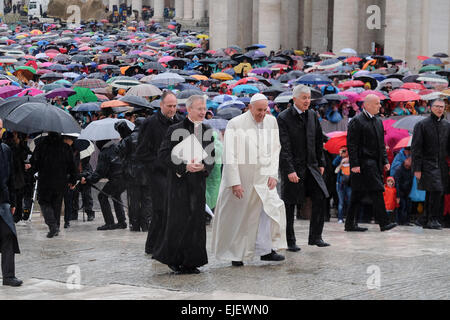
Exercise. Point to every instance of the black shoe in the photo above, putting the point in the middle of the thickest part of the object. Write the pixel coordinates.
(134, 228)
(273, 256)
(293, 248)
(66, 225)
(237, 263)
(433, 224)
(12, 282)
(356, 229)
(106, 227)
(52, 233)
(320, 243)
(388, 227)
(120, 225)
(91, 217)
(174, 268)
(144, 228)
(188, 270)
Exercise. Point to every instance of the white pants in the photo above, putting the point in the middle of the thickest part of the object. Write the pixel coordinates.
(263, 244)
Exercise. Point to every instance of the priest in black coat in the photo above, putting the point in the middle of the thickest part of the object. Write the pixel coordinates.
(150, 137)
(368, 159)
(182, 245)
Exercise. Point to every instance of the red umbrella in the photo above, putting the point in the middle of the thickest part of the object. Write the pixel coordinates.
(413, 86)
(352, 60)
(405, 142)
(423, 58)
(393, 136)
(364, 94)
(351, 84)
(336, 142)
(403, 95)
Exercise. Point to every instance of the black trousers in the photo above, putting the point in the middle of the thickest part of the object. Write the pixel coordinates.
(290, 217)
(139, 206)
(7, 249)
(434, 205)
(378, 207)
(51, 208)
(313, 190)
(86, 199)
(155, 229)
(18, 215)
(68, 205)
(114, 189)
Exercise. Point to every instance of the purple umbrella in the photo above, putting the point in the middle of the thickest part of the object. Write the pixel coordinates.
(60, 92)
(261, 71)
(9, 91)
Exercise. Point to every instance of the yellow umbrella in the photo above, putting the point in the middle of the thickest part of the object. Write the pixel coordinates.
(221, 76)
(22, 36)
(243, 67)
(36, 32)
(202, 36)
(190, 44)
(299, 52)
(200, 77)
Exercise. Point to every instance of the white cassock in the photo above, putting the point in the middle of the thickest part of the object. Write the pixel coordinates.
(256, 224)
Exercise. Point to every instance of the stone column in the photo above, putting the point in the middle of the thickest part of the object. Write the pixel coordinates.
(111, 4)
(343, 35)
(158, 10)
(218, 24)
(396, 28)
(289, 24)
(179, 9)
(438, 36)
(199, 10)
(136, 5)
(307, 23)
(188, 6)
(319, 37)
(269, 24)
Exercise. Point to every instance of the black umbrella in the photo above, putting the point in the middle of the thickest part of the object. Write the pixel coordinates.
(187, 93)
(154, 66)
(274, 90)
(81, 58)
(180, 62)
(340, 76)
(33, 117)
(279, 60)
(228, 113)
(12, 103)
(396, 76)
(334, 97)
(373, 82)
(411, 78)
(135, 101)
(440, 55)
(52, 75)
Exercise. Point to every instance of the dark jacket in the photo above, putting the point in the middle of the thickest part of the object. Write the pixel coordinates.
(403, 181)
(366, 149)
(429, 148)
(301, 149)
(20, 154)
(54, 161)
(109, 165)
(7, 191)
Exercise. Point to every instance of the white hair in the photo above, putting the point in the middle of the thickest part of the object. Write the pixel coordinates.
(190, 101)
(298, 90)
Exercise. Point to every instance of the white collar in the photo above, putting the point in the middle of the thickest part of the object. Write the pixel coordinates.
(368, 113)
(297, 109)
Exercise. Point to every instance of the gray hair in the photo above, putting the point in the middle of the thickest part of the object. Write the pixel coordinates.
(298, 90)
(190, 101)
(438, 100)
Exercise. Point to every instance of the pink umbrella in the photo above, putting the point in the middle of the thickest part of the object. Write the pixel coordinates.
(42, 71)
(387, 124)
(364, 94)
(394, 135)
(4, 82)
(403, 95)
(46, 64)
(51, 54)
(9, 91)
(405, 142)
(165, 59)
(30, 92)
(353, 97)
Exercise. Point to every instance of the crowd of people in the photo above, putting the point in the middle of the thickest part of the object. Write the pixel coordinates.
(159, 90)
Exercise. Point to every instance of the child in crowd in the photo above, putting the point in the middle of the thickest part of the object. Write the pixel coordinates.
(390, 198)
(404, 181)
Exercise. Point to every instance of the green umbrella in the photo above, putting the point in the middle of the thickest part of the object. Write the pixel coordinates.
(82, 94)
(31, 69)
(430, 69)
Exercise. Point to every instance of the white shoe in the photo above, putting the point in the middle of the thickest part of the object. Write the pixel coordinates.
(340, 221)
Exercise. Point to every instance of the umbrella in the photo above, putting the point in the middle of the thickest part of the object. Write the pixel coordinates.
(411, 78)
(223, 98)
(395, 83)
(135, 101)
(353, 97)
(430, 68)
(30, 92)
(83, 95)
(349, 51)
(144, 90)
(154, 66)
(364, 94)
(232, 104)
(52, 86)
(261, 71)
(440, 55)
(9, 91)
(351, 84)
(82, 58)
(87, 107)
(103, 130)
(433, 78)
(222, 76)
(114, 104)
(403, 95)
(85, 147)
(245, 88)
(228, 113)
(217, 123)
(413, 86)
(335, 97)
(432, 61)
(168, 78)
(184, 95)
(313, 79)
(33, 117)
(91, 83)
(336, 142)
(125, 83)
(408, 122)
(373, 82)
(403, 143)
(52, 75)
(60, 92)
(8, 105)
(330, 64)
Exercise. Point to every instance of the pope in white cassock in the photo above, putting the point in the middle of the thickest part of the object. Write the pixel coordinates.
(250, 218)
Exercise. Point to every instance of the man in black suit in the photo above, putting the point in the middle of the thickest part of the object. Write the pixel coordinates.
(302, 165)
(368, 158)
(8, 236)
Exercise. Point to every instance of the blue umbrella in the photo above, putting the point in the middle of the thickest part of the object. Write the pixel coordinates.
(378, 77)
(232, 104)
(224, 98)
(313, 79)
(87, 107)
(245, 88)
(432, 61)
(211, 104)
(217, 123)
(245, 100)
